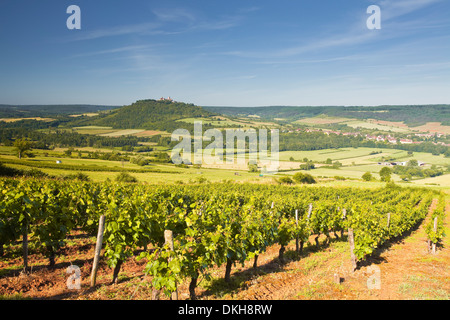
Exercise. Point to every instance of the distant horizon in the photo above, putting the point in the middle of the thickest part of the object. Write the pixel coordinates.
(226, 106)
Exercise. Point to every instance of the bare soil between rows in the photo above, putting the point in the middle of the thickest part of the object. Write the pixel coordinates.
(403, 269)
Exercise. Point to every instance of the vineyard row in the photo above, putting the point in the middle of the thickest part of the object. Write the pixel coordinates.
(211, 224)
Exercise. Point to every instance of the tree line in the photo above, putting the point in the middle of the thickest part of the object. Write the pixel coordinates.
(309, 141)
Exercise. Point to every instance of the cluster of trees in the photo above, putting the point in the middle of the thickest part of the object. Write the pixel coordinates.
(60, 138)
(110, 156)
(140, 160)
(385, 175)
(307, 141)
(407, 172)
(299, 177)
(410, 171)
(137, 149)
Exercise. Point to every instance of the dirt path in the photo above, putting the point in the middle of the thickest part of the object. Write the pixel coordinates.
(404, 270)
(407, 270)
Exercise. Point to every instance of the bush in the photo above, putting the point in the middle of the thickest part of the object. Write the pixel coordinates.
(337, 165)
(80, 176)
(307, 166)
(252, 167)
(35, 173)
(125, 177)
(385, 174)
(301, 177)
(367, 176)
(201, 180)
(140, 161)
(285, 180)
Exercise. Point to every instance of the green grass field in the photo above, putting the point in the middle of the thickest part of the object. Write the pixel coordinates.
(375, 126)
(355, 161)
(216, 123)
(348, 156)
(94, 130)
(242, 123)
(322, 119)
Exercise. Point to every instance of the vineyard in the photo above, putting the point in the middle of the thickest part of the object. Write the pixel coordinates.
(184, 231)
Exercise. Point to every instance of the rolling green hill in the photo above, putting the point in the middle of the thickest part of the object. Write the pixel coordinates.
(150, 114)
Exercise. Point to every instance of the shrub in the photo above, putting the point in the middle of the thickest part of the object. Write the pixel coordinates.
(35, 173)
(385, 174)
(252, 167)
(77, 176)
(367, 176)
(125, 177)
(301, 177)
(140, 161)
(285, 180)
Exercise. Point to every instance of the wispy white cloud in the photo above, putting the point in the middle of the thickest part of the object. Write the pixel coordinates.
(344, 39)
(175, 15)
(169, 21)
(189, 21)
(142, 28)
(123, 49)
(249, 9)
(279, 55)
(352, 57)
(395, 8)
(355, 35)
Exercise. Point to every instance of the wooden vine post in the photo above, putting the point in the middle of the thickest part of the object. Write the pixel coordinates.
(351, 241)
(25, 248)
(168, 238)
(296, 238)
(433, 245)
(98, 249)
(388, 220)
(344, 216)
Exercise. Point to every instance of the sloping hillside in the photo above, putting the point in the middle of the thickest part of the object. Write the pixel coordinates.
(150, 114)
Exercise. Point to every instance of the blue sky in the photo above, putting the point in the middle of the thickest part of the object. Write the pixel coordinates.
(225, 53)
